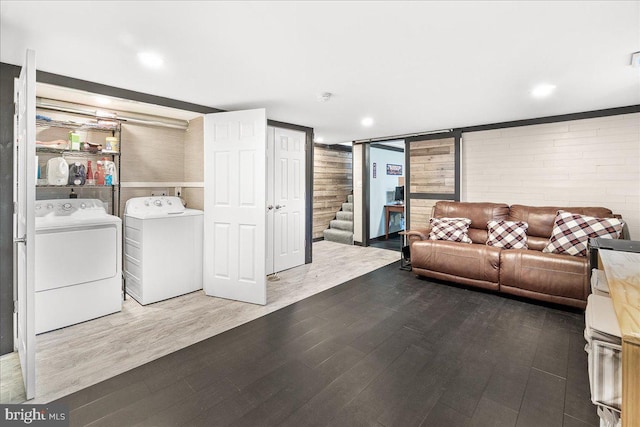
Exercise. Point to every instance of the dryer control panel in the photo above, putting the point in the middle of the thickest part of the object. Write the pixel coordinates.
(68, 207)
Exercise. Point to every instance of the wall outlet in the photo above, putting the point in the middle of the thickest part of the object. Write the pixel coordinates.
(159, 193)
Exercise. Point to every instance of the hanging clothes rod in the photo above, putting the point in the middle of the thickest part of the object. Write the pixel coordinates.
(92, 112)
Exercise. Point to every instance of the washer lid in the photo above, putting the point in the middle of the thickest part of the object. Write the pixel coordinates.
(156, 207)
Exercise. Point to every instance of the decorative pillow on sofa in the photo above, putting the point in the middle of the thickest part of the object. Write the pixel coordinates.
(507, 234)
(571, 232)
(452, 229)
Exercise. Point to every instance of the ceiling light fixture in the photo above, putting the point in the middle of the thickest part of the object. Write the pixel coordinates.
(150, 59)
(367, 121)
(543, 90)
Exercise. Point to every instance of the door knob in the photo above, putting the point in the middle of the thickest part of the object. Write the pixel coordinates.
(279, 207)
(269, 207)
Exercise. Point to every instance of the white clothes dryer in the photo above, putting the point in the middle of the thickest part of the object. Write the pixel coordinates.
(162, 249)
(78, 262)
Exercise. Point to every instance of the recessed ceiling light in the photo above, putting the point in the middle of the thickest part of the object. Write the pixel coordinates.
(324, 96)
(543, 90)
(150, 59)
(318, 139)
(367, 121)
(102, 100)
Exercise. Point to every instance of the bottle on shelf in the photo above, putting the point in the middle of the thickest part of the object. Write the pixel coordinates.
(73, 194)
(74, 141)
(99, 175)
(111, 144)
(90, 178)
(109, 168)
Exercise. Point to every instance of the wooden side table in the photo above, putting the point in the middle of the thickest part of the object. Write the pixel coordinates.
(387, 213)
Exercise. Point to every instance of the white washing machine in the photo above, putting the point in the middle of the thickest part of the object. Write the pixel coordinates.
(78, 262)
(162, 248)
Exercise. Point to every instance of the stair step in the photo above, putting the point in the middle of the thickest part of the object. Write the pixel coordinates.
(347, 207)
(350, 198)
(344, 216)
(338, 236)
(341, 225)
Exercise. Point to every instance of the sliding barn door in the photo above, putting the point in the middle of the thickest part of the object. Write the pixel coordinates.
(432, 174)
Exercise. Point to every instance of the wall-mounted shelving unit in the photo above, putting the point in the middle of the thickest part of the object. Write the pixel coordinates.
(94, 131)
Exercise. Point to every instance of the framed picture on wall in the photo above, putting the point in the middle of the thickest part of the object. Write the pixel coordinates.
(394, 169)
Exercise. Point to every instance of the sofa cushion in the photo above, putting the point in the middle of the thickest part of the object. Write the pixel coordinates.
(571, 232)
(544, 274)
(451, 229)
(478, 213)
(507, 234)
(477, 262)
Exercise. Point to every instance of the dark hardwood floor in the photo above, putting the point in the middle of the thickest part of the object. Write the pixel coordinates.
(385, 349)
(392, 243)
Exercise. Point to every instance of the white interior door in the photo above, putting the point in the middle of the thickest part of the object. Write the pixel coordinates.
(288, 198)
(235, 202)
(24, 220)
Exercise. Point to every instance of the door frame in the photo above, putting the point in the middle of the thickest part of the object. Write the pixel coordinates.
(366, 181)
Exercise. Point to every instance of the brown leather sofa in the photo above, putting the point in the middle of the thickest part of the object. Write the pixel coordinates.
(561, 279)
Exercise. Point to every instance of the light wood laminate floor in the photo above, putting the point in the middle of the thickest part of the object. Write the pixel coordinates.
(79, 356)
(11, 388)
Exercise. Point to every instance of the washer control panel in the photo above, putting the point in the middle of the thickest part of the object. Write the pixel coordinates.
(154, 206)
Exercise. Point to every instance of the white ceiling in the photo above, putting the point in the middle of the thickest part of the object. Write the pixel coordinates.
(411, 66)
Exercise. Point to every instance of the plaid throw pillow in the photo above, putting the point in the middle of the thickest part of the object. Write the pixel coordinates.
(507, 234)
(452, 229)
(571, 232)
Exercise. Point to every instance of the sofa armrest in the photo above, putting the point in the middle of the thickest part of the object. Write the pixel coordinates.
(417, 235)
(625, 228)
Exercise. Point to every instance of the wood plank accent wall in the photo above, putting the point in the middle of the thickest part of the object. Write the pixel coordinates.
(421, 210)
(432, 166)
(332, 183)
